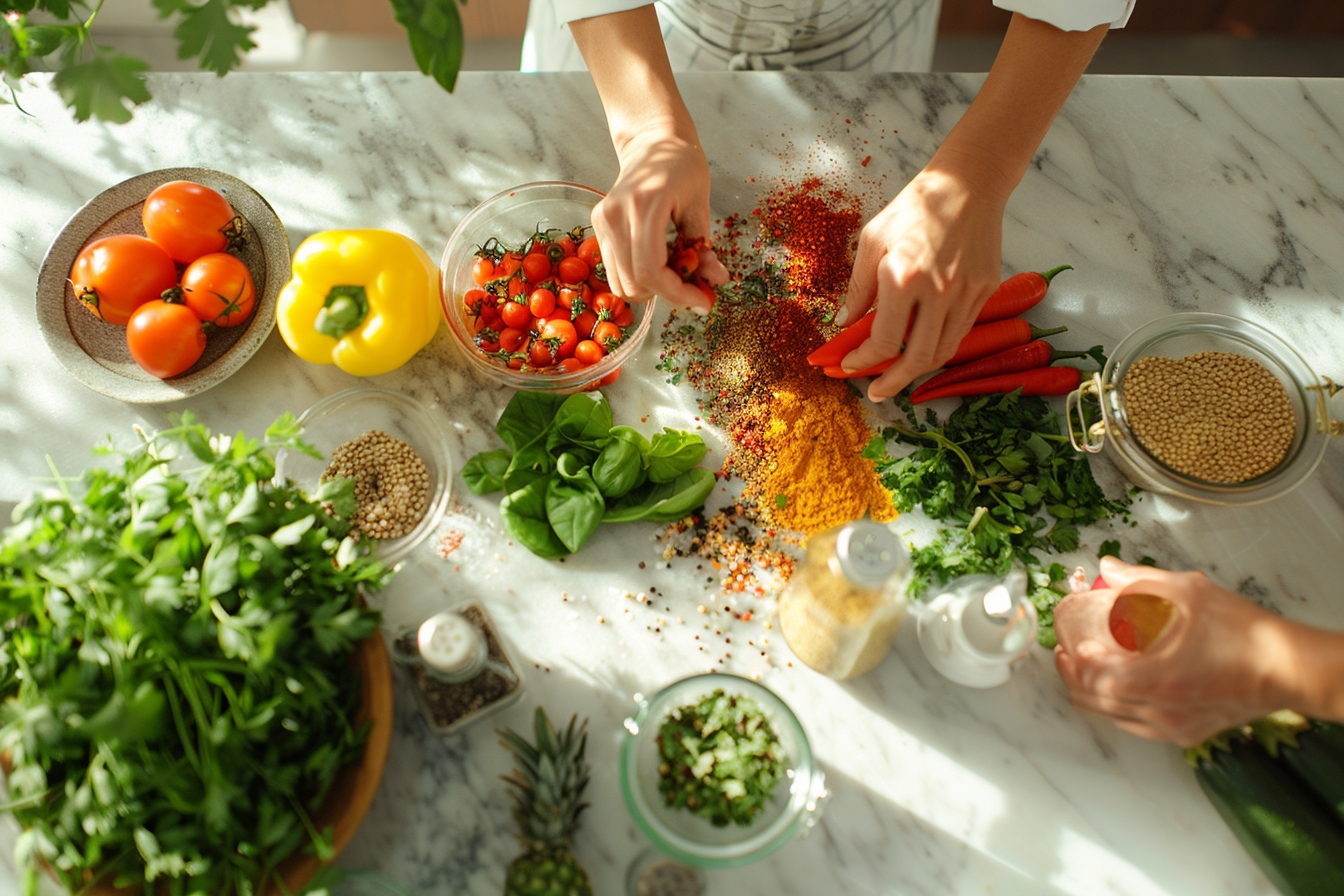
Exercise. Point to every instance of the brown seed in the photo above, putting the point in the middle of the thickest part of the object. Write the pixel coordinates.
(391, 483)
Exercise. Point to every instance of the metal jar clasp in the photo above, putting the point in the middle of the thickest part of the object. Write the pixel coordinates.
(1084, 437)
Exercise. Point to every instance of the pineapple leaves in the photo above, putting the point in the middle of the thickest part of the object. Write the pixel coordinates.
(547, 786)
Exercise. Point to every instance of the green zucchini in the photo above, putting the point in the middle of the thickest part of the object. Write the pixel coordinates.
(1295, 841)
(1318, 761)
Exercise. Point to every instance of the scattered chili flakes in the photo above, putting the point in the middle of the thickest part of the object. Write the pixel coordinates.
(866, 159)
(451, 541)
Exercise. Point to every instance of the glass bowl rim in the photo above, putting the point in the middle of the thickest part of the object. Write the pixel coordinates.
(454, 257)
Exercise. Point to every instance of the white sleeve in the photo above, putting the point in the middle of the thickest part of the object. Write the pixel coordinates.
(568, 10)
(1066, 15)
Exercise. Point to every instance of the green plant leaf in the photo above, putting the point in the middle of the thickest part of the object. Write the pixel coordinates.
(524, 515)
(434, 28)
(208, 30)
(574, 508)
(584, 419)
(103, 86)
(672, 452)
(526, 417)
(619, 468)
(485, 472)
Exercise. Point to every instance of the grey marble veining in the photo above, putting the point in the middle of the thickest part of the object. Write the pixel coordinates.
(1164, 193)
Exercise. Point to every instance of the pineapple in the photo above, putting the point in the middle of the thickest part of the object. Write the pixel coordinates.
(547, 799)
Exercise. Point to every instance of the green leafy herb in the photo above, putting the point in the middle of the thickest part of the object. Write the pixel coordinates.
(176, 690)
(781, 501)
(1109, 548)
(720, 759)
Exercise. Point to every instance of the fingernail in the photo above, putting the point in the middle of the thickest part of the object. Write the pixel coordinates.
(841, 316)
(700, 310)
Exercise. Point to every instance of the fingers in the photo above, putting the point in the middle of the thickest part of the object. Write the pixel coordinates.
(1118, 574)
(918, 357)
(862, 280)
(1084, 617)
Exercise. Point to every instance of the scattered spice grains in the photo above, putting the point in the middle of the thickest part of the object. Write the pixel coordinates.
(451, 541)
(391, 483)
(1216, 416)
(749, 558)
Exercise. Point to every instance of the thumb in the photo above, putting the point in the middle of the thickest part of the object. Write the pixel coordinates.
(1118, 573)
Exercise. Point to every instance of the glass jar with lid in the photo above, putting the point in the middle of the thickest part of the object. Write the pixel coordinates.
(844, 604)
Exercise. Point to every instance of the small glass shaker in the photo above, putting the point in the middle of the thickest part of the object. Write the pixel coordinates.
(977, 628)
(459, 666)
(844, 604)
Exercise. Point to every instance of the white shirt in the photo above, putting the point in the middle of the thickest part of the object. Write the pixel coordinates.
(834, 35)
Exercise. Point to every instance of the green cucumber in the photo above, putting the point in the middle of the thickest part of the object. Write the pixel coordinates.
(1318, 761)
(1289, 834)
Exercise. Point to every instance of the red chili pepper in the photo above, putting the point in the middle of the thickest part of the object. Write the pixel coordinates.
(1041, 381)
(1022, 357)
(844, 342)
(1018, 293)
(982, 340)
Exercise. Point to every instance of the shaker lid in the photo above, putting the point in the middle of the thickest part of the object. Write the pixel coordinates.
(448, 643)
(869, 553)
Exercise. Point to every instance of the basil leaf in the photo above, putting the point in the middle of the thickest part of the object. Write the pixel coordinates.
(673, 452)
(574, 508)
(527, 416)
(572, 465)
(524, 514)
(584, 419)
(619, 468)
(485, 472)
(689, 492)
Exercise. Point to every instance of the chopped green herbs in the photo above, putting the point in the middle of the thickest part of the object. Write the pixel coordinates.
(1002, 478)
(175, 675)
(720, 759)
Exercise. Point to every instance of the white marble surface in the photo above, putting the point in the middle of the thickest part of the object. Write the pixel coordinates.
(1164, 193)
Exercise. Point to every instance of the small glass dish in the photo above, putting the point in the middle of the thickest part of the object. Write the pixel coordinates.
(512, 217)
(338, 418)
(794, 809)
(1180, 335)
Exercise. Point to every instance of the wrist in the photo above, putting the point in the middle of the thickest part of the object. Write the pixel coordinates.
(642, 128)
(1307, 673)
(978, 175)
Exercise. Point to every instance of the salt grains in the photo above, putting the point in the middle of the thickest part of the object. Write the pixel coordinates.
(1215, 416)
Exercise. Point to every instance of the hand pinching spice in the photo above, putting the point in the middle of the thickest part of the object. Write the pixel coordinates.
(391, 483)
(1215, 416)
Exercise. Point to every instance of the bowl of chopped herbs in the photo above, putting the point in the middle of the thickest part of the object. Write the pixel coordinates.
(717, 771)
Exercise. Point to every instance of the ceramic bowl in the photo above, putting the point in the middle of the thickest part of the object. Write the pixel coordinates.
(511, 217)
(95, 352)
(794, 809)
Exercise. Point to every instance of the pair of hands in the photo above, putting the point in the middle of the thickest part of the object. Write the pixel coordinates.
(1221, 662)
(932, 255)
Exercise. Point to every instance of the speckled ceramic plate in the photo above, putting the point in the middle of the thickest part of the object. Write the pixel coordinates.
(95, 351)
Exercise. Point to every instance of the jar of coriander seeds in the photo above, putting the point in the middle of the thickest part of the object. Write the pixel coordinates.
(1206, 407)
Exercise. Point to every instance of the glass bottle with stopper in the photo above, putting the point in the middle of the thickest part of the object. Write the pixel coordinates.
(977, 627)
(459, 666)
(844, 604)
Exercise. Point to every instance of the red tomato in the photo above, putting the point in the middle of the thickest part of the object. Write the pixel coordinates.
(610, 378)
(536, 267)
(218, 287)
(565, 246)
(624, 318)
(572, 270)
(542, 353)
(188, 220)
(512, 339)
(487, 339)
(541, 303)
(517, 287)
(590, 252)
(565, 332)
(569, 365)
(115, 275)
(516, 363)
(508, 265)
(607, 335)
(483, 270)
(490, 314)
(584, 323)
(165, 339)
(474, 301)
(589, 352)
(516, 315)
(538, 246)
(608, 302)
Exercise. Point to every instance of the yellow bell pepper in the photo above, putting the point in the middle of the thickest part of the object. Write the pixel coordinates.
(364, 300)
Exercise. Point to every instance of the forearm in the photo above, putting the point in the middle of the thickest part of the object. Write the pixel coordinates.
(1033, 74)
(1311, 676)
(625, 55)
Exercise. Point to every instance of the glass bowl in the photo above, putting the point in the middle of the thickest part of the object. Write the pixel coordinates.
(338, 418)
(689, 837)
(511, 217)
(1177, 336)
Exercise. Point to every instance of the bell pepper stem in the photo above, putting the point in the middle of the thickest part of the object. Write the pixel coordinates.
(345, 308)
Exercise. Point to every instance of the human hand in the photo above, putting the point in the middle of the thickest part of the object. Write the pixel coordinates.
(929, 260)
(1221, 662)
(664, 179)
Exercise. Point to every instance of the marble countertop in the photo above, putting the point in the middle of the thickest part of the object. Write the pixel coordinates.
(1165, 194)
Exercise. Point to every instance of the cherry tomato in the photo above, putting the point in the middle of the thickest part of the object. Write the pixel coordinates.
(512, 339)
(517, 287)
(684, 261)
(188, 220)
(536, 267)
(624, 318)
(115, 275)
(541, 303)
(474, 301)
(482, 270)
(487, 339)
(538, 246)
(516, 363)
(565, 332)
(589, 352)
(590, 252)
(565, 245)
(607, 335)
(490, 314)
(516, 315)
(572, 271)
(508, 265)
(542, 353)
(608, 302)
(569, 365)
(584, 323)
(610, 378)
(218, 287)
(165, 339)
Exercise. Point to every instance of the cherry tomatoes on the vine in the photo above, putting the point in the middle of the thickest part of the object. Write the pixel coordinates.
(115, 275)
(565, 332)
(188, 220)
(608, 335)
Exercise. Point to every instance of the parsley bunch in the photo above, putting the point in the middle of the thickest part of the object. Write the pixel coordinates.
(1001, 476)
(175, 676)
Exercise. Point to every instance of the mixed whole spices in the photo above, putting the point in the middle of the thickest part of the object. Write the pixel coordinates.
(177, 689)
(720, 759)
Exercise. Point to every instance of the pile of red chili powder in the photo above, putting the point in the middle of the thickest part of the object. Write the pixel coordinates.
(796, 435)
